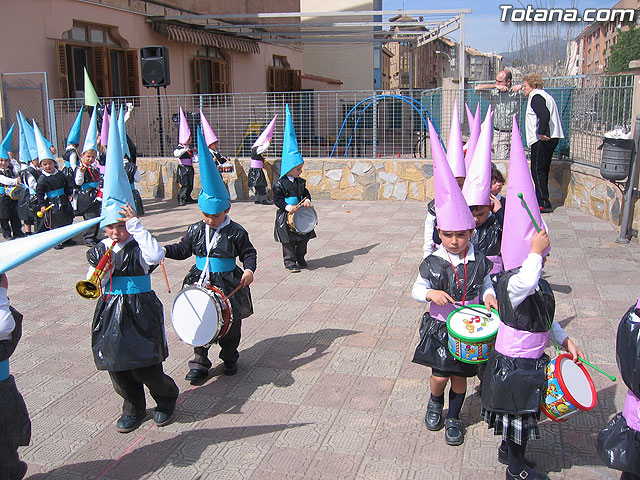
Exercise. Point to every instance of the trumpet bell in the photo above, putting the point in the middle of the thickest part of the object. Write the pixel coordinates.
(88, 289)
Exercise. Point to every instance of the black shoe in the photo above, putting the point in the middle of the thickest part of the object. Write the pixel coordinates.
(60, 246)
(302, 263)
(191, 200)
(433, 419)
(7, 236)
(90, 243)
(19, 235)
(503, 457)
(546, 210)
(293, 270)
(266, 202)
(230, 368)
(196, 374)
(526, 474)
(163, 417)
(453, 432)
(258, 202)
(181, 203)
(128, 423)
(69, 242)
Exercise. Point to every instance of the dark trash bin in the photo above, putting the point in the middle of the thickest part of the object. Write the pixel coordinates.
(616, 158)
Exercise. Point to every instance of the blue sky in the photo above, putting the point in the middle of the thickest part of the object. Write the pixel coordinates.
(484, 30)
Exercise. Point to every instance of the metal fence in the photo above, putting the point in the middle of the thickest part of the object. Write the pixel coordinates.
(360, 124)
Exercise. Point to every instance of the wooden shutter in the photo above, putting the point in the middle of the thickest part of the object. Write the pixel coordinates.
(271, 79)
(196, 75)
(63, 69)
(297, 80)
(216, 75)
(224, 77)
(132, 82)
(101, 79)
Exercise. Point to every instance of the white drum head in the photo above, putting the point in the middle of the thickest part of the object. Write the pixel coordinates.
(305, 219)
(468, 324)
(194, 316)
(576, 382)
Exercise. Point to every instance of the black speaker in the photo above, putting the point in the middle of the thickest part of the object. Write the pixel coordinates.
(154, 64)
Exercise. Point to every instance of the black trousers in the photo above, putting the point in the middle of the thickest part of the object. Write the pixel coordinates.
(91, 233)
(129, 384)
(228, 348)
(185, 179)
(292, 252)
(10, 464)
(541, 153)
(11, 227)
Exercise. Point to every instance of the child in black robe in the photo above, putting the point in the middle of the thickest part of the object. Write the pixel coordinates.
(54, 199)
(9, 218)
(88, 180)
(133, 174)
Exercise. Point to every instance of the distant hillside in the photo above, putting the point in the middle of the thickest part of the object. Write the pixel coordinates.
(549, 51)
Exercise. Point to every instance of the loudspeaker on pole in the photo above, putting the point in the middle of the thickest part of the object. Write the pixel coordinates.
(154, 62)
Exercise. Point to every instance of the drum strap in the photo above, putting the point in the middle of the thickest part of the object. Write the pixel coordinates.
(4, 370)
(210, 244)
(291, 200)
(130, 285)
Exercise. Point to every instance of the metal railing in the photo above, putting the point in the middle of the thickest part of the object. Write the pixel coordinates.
(359, 124)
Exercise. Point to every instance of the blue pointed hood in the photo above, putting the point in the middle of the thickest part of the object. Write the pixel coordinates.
(122, 131)
(291, 156)
(5, 146)
(91, 139)
(41, 143)
(30, 136)
(25, 154)
(214, 197)
(74, 133)
(117, 190)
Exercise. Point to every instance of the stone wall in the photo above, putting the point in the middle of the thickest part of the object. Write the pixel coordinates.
(576, 186)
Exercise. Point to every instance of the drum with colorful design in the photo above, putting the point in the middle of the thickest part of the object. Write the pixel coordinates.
(569, 389)
(472, 333)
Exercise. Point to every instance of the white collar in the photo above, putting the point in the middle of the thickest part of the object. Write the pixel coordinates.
(291, 178)
(455, 259)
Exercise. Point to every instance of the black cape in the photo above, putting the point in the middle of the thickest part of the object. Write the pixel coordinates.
(282, 189)
(131, 168)
(233, 242)
(618, 444)
(28, 203)
(61, 212)
(433, 350)
(8, 207)
(68, 171)
(256, 177)
(87, 198)
(128, 330)
(15, 425)
(516, 385)
(487, 238)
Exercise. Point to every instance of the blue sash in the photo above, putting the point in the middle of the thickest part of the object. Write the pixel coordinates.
(217, 264)
(54, 193)
(4, 370)
(291, 200)
(130, 285)
(2, 190)
(87, 186)
(133, 187)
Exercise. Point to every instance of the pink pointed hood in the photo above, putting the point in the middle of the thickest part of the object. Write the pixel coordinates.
(455, 155)
(265, 136)
(452, 212)
(518, 227)
(209, 135)
(477, 185)
(469, 114)
(184, 132)
(474, 134)
(104, 131)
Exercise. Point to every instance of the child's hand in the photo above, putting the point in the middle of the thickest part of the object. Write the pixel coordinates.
(540, 242)
(127, 213)
(306, 203)
(497, 204)
(4, 281)
(247, 278)
(491, 302)
(439, 297)
(572, 348)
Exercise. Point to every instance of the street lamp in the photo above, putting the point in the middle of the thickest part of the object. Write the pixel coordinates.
(451, 61)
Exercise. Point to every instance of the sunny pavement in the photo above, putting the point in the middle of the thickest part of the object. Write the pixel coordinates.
(326, 387)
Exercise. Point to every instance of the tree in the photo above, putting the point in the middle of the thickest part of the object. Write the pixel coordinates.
(627, 48)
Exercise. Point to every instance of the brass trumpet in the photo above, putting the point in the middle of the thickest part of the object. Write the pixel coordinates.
(91, 288)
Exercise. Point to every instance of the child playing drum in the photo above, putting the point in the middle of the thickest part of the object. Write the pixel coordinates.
(454, 273)
(515, 376)
(289, 194)
(216, 241)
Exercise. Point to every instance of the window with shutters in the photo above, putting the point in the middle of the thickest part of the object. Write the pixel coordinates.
(113, 67)
(211, 71)
(281, 77)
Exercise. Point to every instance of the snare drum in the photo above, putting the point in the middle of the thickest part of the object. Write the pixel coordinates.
(569, 389)
(201, 315)
(15, 192)
(471, 335)
(303, 220)
(225, 168)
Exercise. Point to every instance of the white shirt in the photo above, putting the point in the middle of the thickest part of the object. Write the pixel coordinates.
(422, 286)
(525, 283)
(7, 323)
(429, 226)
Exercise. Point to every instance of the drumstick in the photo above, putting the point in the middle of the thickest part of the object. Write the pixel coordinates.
(231, 294)
(164, 272)
(479, 312)
(610, 377)
(521, 197)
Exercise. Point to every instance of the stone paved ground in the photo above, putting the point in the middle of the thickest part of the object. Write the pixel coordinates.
(326, 387)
